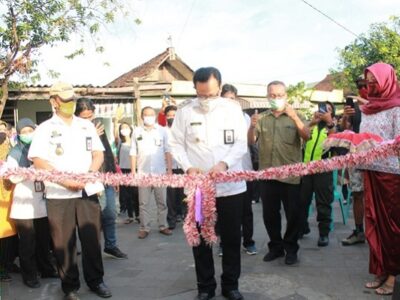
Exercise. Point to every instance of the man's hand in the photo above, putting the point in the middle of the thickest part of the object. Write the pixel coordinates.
(316, 119)
(73, 185)
(254, 119)
(194, 171)
(291, 113)
(99, 129)
(348, 111)
(326, 117)
(218, 168)
(169, 171)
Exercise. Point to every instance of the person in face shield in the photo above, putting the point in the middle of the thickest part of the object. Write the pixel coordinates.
(279, 132)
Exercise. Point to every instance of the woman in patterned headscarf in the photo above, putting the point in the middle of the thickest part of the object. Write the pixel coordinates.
(381, 116)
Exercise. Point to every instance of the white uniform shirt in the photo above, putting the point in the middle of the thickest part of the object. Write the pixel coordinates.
(26, 204)
(174, 162)
(149, 146)
(201, 140)
(75, 144)
(247, 164)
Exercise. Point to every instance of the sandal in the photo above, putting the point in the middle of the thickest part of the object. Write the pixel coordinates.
(385, 290)
(128, 221)
(376, 283)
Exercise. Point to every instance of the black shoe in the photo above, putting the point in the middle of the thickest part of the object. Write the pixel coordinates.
(116, 253)
(101, 290)
(270, 256)
(291, 259)
(71, 296)
(205, 296)
(53, 274)
(33, 283)
(232, 295)
(323, 241)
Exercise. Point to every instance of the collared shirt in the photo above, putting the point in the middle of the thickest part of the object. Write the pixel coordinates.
(149, 146)
(202, 139)
(279, 142)
(66, 148)
(175, 164)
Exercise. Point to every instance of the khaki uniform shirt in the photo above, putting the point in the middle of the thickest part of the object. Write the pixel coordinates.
(279, 142)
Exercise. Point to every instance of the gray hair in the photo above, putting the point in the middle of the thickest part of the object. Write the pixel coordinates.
(276, 82)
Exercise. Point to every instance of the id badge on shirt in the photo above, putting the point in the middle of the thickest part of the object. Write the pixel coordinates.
(229, 136)
(88, 143)
(39, 186)
(158, 142)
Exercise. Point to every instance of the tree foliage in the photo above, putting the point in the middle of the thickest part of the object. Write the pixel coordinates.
(27, 25)
(380, 44)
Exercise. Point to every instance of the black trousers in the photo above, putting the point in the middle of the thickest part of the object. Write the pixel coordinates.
(229, 210)
(272, 194)
(129, 198)
(247, 219)
(175, 198)
(322, 186)
(34, 247)
(64, 216)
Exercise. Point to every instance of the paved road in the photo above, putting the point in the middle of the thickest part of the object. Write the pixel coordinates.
(161, 267)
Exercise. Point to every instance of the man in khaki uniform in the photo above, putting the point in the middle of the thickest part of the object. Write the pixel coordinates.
(279, 132)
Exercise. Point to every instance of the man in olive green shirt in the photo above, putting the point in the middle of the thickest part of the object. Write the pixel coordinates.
(279, 132)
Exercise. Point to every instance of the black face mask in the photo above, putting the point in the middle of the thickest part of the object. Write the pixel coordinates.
(170, 121)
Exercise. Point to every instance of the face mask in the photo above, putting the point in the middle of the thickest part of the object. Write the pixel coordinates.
(125, 132)
(67, 108)
(149, 120)
(278, 104)
(170, 121)
(26, 138)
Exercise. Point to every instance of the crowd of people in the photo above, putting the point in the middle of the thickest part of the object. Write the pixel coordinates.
(39, 221)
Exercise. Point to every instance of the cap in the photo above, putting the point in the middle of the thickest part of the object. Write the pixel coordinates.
(25, 122)
(63, 90)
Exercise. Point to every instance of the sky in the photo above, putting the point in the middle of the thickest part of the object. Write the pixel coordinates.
(249, 41)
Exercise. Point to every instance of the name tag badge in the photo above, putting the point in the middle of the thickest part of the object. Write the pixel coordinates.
(158, 142)
(229, 136)
(88, 143)
(39, 186)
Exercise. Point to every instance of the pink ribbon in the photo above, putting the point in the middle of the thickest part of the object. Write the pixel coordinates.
(198, 206)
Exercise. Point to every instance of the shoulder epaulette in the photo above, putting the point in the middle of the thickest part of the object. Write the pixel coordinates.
(184, 103)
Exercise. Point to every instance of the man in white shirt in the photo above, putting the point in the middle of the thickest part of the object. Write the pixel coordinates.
(150, 155)
(209, 136)
(69, 143)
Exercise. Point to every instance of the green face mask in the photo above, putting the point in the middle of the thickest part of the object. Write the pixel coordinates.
(67, 108)
(26, 138)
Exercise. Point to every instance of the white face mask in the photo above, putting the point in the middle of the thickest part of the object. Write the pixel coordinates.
(149, 120)
(125, 132)
(278, 104)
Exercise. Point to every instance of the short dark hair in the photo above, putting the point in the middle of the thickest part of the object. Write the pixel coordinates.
(204, 74)
(83, 104)
(146, 107)
(228, 88)
(276, 82)
(170, 108)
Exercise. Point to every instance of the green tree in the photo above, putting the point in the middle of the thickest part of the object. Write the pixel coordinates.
(300, 94)
(380, 43)
(28, 25)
